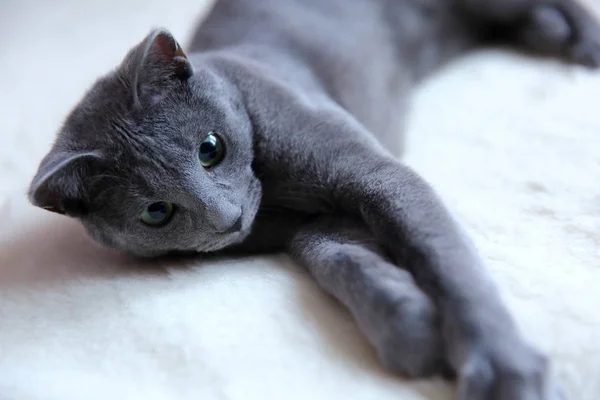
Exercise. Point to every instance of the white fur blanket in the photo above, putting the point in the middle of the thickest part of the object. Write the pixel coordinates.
(511, 143)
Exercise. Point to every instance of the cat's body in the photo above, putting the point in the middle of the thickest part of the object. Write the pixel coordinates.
(277, 132)
(361, 55)
(362, 71)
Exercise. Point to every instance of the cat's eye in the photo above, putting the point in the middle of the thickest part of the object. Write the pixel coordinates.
(157, 214)
(211, 151)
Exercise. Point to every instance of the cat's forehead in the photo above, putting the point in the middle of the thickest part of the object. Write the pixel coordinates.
(104, 103)
(104, 115)
(111, 99)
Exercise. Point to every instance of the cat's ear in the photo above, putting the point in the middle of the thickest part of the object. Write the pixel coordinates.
(164, 49)
(59, 186)
(163, 55)
(156, 63)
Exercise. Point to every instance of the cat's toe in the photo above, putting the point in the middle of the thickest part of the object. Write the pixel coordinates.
(586, 52)
(582, 46)
(410, 343)
(562, 29)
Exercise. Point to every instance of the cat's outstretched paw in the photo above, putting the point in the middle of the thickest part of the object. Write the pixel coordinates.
(515, 373)
(562, 28)
(410, 342)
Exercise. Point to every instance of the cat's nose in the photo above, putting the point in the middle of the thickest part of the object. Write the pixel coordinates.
(227, 219)
(236, 227)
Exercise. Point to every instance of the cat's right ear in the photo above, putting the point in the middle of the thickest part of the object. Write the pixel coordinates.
(59, 186)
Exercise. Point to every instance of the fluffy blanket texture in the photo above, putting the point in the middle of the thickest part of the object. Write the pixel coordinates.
(511, 143)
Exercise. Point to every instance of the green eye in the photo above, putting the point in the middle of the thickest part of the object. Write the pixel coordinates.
(211, 151)
(157, 214)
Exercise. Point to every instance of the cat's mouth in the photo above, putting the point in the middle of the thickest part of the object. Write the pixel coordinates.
(238, 232)
(223, 240)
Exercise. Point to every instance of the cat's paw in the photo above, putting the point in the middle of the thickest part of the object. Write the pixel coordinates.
(410, 343)
(516, 372)
(565, 29)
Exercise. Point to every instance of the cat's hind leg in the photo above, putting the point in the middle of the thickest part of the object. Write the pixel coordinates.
(564, 29)
(398, 319)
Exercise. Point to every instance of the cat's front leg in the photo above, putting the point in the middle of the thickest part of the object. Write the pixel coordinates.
(483, 344)
(397, 317)
(320, 159)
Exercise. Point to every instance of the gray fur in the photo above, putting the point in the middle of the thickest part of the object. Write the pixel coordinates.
(308, 96)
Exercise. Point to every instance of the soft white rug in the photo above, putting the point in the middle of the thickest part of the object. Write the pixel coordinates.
(512, 144)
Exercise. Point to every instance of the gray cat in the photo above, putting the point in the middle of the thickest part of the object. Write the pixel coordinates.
(279, 131)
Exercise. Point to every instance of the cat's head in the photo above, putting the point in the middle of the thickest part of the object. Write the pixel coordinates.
(155, 158)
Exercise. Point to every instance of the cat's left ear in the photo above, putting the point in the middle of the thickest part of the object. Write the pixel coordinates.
(165, 56)
(155, 65)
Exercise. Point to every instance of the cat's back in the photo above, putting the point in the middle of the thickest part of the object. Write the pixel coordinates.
(361, 53)
(285, 24)
(331, 34)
